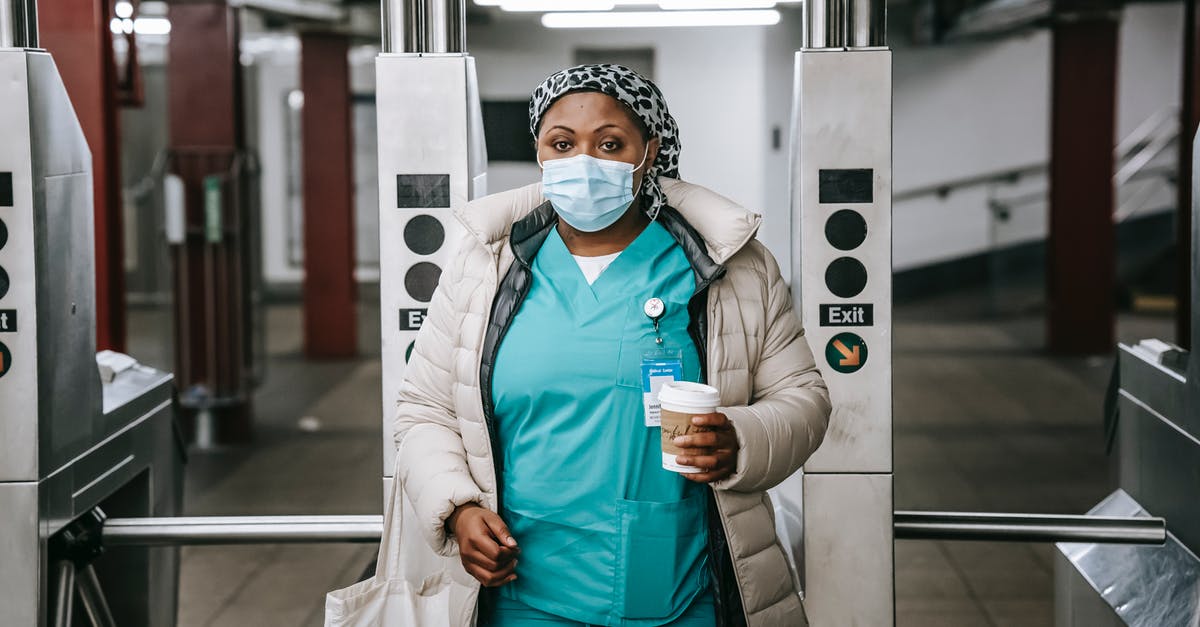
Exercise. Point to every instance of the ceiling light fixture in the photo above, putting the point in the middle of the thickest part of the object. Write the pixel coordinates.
(699, 5)
(528, 6)
(660, 19)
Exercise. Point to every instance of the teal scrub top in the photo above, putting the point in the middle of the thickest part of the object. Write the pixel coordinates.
(607, 535)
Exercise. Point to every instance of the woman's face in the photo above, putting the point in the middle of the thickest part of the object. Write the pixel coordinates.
(590, 123)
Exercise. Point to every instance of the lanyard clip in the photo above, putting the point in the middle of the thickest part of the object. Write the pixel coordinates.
(654, 309)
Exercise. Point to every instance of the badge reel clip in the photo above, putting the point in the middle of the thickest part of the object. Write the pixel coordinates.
(660, 365)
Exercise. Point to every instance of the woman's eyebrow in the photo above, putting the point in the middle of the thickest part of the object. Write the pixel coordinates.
(565, 128)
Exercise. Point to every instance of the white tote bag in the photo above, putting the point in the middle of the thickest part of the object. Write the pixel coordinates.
(413, 586)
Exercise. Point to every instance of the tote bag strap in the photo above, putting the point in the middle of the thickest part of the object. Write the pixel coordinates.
(387, 565)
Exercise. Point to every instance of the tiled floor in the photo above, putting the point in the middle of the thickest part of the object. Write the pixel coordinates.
(984, 421)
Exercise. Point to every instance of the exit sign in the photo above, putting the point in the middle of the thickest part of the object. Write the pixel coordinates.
(848, 315)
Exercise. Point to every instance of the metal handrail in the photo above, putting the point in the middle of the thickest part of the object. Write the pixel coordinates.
(908, 525)
(1133, 144)
(1029, 528)
(210, 530)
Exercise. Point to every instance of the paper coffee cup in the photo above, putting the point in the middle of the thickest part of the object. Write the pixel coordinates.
(680, 401)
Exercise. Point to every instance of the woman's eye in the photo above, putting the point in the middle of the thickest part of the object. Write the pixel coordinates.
(610, 146)
(562, 146)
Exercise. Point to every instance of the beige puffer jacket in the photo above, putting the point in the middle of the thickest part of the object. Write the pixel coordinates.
(757, 357)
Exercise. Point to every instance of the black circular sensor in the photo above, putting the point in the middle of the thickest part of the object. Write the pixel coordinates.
(3, 282)
(3, 234)
(846, 229)
(421, 280)
(846, 277)
(424, 234)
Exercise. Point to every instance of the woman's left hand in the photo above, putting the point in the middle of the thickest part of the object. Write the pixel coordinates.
(715, 451)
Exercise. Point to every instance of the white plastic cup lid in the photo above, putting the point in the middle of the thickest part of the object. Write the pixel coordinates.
(688, 396)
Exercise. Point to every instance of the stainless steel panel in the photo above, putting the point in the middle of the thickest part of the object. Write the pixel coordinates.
(18, 388)
(1145, 586)
(20, 547)
(1159, 465)
(844, 121)
(848, 550)
(69, 385)
(1157, 386)
(1076, 604)
(68, 388)
(1194, 362)
(57, 146)
(426, 110)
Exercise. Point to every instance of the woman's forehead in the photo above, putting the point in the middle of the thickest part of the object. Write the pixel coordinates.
(586, 109)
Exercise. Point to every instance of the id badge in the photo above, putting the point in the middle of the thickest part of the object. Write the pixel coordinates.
(658, 367)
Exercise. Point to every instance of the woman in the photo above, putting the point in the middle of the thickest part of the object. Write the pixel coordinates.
(521, 435)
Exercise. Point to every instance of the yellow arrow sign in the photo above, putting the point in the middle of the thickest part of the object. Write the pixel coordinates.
(846, 352)
(850, 357)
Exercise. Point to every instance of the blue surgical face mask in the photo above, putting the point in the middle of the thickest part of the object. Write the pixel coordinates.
(590, 194)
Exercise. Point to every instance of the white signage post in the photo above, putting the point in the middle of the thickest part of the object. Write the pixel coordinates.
(432, 159)
(842, 250)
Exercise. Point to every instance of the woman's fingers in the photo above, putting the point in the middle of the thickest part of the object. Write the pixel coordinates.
(489, 578)
(499, 530)
(708, 439)
(708, 477)
(714, 466)
(715, 420)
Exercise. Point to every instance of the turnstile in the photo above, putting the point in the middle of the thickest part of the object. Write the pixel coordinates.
(68, 443)
(842, 281)
(1155, 426)
(432, 159)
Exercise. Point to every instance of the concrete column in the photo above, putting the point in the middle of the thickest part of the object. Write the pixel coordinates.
(330, 322)
(1081, 248)
(76, 33)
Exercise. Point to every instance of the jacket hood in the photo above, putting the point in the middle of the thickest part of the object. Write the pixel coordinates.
(724, 225)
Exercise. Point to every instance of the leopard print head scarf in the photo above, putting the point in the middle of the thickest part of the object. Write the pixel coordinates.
(636, 92)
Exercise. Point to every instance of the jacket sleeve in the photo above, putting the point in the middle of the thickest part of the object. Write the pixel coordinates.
(430, 457)
(789, 410)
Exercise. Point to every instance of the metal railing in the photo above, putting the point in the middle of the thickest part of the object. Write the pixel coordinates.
(202, 530)
(908, 525)
(1028, 528)
(1136, 157)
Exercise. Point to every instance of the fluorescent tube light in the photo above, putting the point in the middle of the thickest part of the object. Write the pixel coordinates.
(152, 26)
(569, 5)
(660, 19)
(543, 6)
(695, 5)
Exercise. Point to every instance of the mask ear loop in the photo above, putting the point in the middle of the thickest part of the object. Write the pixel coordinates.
(645, 155)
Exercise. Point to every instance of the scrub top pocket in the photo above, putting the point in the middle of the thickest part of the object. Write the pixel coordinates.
(638, 336)
(660, 546)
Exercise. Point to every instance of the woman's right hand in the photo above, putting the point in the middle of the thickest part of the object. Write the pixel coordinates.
(487, 548)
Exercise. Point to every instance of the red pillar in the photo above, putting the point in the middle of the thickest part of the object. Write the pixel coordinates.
(1081, 247)
(76, 33)
(1189, 121)
(330, 323)
(212, 266)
